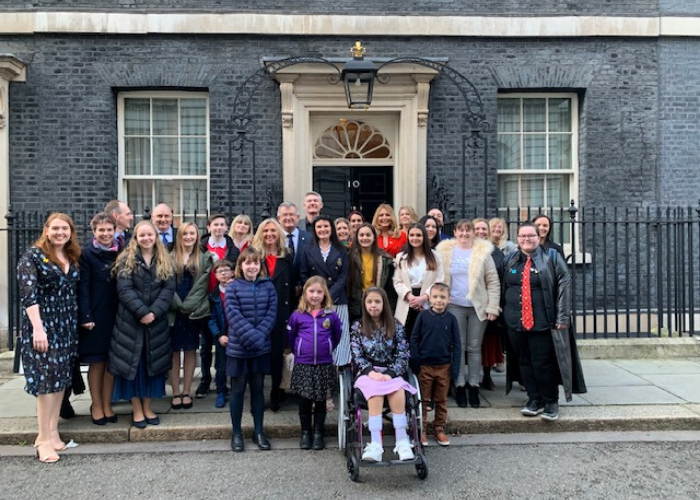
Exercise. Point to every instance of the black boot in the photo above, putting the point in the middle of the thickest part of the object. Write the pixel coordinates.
(305, 442)
(461, 396)
(319, 430)
(474, 400)
(275, 405)
(487, 382)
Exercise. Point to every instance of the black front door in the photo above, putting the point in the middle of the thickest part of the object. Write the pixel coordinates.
(354, 188)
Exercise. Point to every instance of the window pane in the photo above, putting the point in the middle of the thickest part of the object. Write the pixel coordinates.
(532, 189)
(509, 151)
(509, 115)
(534, 115)
(558, 190)
(194, 198)
(137, 156)
(140, 196)
(560, 151)
(194, 157)
(508, 191)
(194, 116)
(168, 192)
(164, 116)
(560, 115)
(164, 156)
(534, 151)
(137, 116)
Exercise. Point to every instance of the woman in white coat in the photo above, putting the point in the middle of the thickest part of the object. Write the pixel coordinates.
(417, 269)
(474, 300)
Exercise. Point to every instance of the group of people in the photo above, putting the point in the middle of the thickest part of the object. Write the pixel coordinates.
(382, 295)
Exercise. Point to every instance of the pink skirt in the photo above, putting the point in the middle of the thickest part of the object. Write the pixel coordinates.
(371, 388)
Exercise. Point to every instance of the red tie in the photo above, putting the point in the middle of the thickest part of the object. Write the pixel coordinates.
(528, 318)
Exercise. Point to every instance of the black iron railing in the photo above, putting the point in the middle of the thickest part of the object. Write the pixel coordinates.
(635, 272)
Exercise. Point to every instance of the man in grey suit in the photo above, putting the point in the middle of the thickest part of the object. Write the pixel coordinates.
(296, 240)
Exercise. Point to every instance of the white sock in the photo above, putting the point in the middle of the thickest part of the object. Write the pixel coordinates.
(400, 423)
(375, 428)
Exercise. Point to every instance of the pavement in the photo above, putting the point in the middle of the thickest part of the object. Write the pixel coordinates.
(624, 394)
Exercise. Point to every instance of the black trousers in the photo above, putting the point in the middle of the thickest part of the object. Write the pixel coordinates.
(539, 371)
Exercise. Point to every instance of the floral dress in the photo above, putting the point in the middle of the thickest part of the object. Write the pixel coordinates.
(44, 283)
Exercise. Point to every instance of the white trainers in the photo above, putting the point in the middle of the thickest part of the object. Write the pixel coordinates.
(403, 450)
(373, 452)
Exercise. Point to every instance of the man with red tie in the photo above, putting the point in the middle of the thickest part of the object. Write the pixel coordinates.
(536, 300)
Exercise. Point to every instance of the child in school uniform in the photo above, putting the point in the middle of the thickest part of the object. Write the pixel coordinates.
(313, 331)
(223, 270)
(436, 348)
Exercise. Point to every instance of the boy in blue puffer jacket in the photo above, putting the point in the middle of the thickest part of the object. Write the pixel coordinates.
(313, 331)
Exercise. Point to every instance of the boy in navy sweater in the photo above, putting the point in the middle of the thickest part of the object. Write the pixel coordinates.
(436, 348)
(223, 270)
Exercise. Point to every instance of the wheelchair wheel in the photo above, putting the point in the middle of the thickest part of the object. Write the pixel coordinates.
(342, 412)
(417, 405)
(422, 467)
(354, 468)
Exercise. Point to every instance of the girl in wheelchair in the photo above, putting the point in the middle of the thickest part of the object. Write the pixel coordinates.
(380, 359)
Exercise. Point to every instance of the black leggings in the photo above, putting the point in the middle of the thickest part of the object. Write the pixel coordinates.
(257, 400)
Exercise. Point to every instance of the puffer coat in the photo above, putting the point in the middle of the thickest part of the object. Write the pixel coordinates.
(251, 311)
(140, 294)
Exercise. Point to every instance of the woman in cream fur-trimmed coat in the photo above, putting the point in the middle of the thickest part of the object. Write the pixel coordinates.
(472, 276)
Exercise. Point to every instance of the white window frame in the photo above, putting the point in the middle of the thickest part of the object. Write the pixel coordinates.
(123, 178)
(573, 172)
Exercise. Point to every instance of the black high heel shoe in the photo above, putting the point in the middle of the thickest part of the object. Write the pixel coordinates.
(98, 421)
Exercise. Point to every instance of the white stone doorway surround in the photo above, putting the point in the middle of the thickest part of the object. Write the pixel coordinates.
(399, 109)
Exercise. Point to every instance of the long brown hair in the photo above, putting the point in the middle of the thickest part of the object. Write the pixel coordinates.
(388, 323)
(181, 259)
(249, 254)
(430, 260)
(71, 249)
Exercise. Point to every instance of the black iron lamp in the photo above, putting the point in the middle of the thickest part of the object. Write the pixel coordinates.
(358, 78)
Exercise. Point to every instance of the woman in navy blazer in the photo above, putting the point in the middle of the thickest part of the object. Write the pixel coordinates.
(326, 257)
(269, 240)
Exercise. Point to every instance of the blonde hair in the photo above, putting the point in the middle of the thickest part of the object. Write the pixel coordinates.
(127, 263)
(241, 218)
(411, 212)
(327, 303)
(504, 237)
(394, 230)
(181, 260)
(259, 244)
(481, 219)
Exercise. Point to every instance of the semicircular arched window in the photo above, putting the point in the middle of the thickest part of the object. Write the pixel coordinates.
(352, 140)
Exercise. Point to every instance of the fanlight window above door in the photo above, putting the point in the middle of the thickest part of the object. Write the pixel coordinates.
(352, 140)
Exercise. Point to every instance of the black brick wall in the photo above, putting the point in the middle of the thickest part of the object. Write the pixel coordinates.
(63, 148)
(394, 7)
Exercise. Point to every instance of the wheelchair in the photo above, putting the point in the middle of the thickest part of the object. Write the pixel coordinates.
(351, 438)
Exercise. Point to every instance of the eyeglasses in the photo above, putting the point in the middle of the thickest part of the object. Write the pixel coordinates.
(224, 271)
(527, 236)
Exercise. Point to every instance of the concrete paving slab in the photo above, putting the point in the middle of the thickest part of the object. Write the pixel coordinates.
(659, 366)
(685, 386)
(605, 373)
(635, 395)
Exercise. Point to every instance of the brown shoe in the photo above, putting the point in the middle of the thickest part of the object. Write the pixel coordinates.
(441, 437)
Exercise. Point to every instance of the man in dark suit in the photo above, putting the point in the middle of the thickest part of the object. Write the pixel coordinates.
(163, 220)
(313, 204)
(123, 218)
(296, 240)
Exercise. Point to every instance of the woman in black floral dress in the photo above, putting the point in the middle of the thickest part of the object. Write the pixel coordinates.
(48, 276)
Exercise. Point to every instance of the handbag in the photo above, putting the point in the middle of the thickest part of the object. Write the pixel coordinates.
(287, 367)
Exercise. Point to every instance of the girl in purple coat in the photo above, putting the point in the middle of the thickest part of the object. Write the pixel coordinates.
(251, 309)
(314, 331)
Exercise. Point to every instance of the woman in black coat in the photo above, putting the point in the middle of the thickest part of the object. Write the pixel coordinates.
(97, 311)
(327, 258)
(269, 240)
(140, 354)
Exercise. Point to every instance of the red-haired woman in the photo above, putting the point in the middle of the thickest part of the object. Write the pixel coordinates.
(48, 277)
